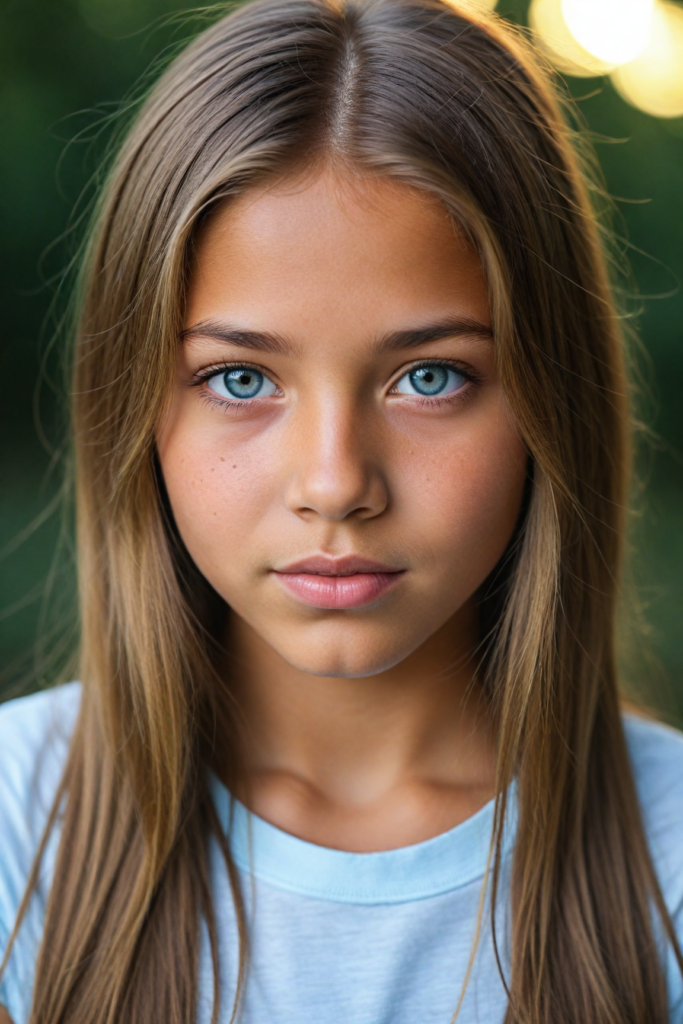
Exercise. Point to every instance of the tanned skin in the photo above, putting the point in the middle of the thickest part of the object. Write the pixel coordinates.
(365, 727)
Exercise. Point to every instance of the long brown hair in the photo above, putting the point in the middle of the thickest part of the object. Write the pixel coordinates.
(453, 102)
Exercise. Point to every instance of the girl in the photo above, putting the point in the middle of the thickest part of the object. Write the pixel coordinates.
(351, 437)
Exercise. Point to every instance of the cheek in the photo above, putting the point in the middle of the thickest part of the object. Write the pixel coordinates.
(465, 495)
(219, 484)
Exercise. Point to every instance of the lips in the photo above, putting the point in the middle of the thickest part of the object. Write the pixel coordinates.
(338, 583)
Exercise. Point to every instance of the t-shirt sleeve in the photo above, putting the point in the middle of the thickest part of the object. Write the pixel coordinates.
(34, 738)
(657, 758)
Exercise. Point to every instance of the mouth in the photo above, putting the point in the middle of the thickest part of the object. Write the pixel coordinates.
(338, 583)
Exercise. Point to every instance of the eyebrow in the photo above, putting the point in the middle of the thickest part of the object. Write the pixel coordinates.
(216, 330)
(458, 327)
(412, 337)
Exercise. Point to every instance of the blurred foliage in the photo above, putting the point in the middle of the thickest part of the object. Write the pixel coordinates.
(66, 64)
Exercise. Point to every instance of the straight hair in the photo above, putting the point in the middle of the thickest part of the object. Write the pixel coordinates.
(453, 102)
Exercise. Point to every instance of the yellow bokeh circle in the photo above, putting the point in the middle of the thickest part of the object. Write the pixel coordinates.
(546, 18)
(614, 31)
(653, 82)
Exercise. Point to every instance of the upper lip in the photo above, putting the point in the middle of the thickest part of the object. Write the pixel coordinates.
(346, 565)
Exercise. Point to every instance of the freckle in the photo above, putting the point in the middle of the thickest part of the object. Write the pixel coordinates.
(222, 459)
(234, 467)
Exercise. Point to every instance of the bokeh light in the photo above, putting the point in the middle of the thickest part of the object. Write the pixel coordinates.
(614, 31)
(654, 80)
(547, 19)
(638, 42)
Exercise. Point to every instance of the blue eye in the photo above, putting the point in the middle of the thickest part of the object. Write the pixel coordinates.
(431, 381)
(241, 383)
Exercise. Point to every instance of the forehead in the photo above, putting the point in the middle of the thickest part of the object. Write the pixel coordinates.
(333, 255)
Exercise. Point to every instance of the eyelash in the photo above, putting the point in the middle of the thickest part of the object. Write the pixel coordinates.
(474, 379)
(456, 397)
(200, 378)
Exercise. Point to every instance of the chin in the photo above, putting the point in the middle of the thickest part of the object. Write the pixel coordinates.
(345, 658)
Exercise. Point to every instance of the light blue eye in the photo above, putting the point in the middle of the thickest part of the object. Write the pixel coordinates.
(431, 381)
(242, 382)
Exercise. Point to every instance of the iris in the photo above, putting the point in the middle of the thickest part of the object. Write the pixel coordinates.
(431, 380)
(243, 382)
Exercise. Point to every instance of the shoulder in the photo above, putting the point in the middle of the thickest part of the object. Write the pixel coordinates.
(34, 741)
(34, 738)
(657, 757)
(27, 721)
(656, 752)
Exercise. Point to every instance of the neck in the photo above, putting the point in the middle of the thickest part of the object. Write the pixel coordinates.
(342, 761)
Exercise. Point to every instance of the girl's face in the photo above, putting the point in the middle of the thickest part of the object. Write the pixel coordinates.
(338, 451)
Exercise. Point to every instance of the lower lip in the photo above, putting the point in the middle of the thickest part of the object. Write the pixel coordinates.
(338, 591)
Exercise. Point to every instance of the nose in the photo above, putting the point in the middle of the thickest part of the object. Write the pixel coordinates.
(335, 471)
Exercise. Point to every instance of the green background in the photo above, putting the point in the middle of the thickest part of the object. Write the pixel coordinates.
(66, 67)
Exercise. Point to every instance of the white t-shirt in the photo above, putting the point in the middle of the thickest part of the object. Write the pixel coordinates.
(363, 938)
